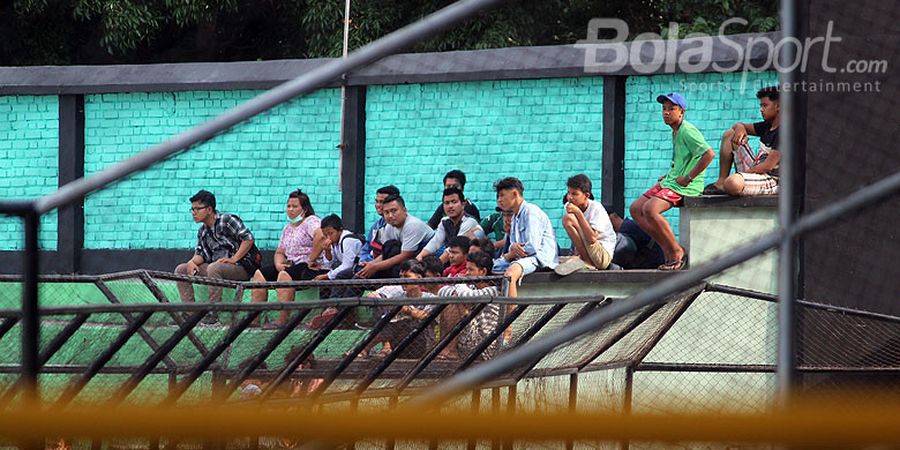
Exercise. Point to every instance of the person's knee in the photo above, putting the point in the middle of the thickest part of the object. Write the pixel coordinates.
(258, 276)
(284, 276)
(635, 210)
(182, 269)
(568, 220)
(215, 270)
(514, 271)
(734, 185)
(728, 134)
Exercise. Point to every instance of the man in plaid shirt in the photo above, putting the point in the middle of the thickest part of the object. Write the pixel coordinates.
(224, 250)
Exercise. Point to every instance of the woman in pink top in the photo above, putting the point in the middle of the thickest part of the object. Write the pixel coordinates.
(295, 247)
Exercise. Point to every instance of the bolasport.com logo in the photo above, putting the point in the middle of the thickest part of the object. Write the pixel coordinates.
(651, 53)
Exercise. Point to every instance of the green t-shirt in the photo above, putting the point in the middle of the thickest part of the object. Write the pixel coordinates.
(689, 146)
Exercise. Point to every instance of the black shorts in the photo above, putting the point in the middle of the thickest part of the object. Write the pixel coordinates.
(298, 272)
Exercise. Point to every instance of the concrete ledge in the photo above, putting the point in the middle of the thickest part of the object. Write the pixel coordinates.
(713, 201)
(599, 277)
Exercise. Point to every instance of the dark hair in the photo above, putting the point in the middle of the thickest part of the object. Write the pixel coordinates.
(332, 221)
(394, 198)
(410, 264)
(456, 174)
(433, 264)
(462, 242)
(771, 92)
(481, 259)
(389, 190)
(582, 183)
(509, 183)
(457, 192)
(205, 198)
(304, 202)
(482, 243)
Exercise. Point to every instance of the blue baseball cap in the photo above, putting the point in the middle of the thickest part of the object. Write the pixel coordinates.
(673, 97)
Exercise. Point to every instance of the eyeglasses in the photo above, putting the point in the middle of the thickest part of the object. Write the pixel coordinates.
(198, 208)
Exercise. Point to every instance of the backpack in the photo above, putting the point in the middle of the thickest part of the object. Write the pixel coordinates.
(361, 238)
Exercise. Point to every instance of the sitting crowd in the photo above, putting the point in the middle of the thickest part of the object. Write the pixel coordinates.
(516, 240)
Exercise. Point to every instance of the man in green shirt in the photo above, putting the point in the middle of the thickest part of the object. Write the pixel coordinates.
(692, 154)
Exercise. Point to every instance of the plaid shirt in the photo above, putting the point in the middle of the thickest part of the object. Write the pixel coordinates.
(223, 239)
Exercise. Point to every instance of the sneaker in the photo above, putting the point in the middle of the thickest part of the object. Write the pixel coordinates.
(570, 266)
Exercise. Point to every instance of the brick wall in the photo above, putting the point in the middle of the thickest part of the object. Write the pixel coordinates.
(541, 131)
(29, 136)
(250, 169)
(715, 102)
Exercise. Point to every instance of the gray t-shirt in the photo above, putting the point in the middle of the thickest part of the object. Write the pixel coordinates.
(413, 234)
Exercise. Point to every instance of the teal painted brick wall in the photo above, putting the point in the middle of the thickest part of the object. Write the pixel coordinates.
(251, 169)
(29, 149)
(715, 102)
(541, 131)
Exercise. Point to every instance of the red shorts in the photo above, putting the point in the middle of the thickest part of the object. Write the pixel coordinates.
(665, 194)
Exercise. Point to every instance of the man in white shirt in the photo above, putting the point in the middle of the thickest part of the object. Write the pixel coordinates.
(455, 223)
(588, 226)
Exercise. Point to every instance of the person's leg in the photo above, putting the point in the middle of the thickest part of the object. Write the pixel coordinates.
(734, 184)
(285, 295)
(224, 271)
(751, 184)
(637, 210)
(259, 295)
(449, 318)
(185, 289)
(570, 223)
(515, 273)
(659, 229)
(726, 158)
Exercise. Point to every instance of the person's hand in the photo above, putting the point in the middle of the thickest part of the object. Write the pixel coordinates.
(739, 137)
(226, 261)
(518, 250)
(683, 180)
(322, 277)
(572, 209)
(368, 269)
(192, 268)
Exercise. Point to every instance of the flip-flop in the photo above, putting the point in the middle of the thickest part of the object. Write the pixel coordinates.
(711, 189)
(674, 265)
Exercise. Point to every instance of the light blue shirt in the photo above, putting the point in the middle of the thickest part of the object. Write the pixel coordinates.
(531, 227)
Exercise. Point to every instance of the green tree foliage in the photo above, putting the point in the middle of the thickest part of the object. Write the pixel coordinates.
(129, 31)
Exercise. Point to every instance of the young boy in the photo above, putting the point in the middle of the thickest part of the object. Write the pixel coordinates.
(457, 248)
(405, 322)
(343, 249)
(588, 226)
(755, 174)
(690, 159)
(478, 264)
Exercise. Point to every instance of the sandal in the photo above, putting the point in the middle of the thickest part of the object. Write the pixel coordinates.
(711, 189)
(674, 265)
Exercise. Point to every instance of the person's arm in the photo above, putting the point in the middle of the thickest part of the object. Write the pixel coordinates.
(583, 223)
(279, 259)
(770, 163)
(318, 241)
(240, 253)
(740, 132)
(414, 312)
(440, 235)
(701, 165)
(194, 262)
(235, 226)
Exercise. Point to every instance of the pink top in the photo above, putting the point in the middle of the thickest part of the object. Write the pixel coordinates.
(297, 241)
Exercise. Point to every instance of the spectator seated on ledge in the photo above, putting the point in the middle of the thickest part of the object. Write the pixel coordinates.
(588, 226)
(372, 247)
(404, 237)
(690, 158)
(299, 253)
(405, 322)
(456, 223)
(343, 249)
(635, 249)
(225, 249)
(454, 179)
(755, 174)
(532, 242)
(478, 264)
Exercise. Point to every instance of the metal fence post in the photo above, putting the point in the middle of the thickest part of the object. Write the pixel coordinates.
(30, 320)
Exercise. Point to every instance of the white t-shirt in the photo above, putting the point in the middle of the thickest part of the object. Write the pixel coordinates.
(598, 218)
(412, 235)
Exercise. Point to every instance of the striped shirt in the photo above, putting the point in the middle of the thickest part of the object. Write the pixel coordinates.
(482, 324)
